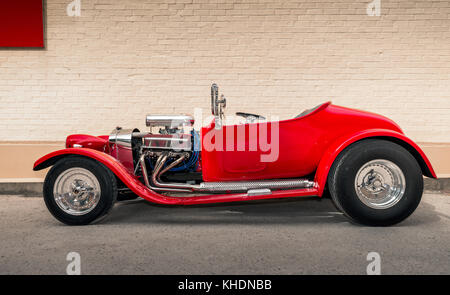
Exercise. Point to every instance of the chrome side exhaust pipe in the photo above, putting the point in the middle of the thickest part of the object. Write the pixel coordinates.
(253, 185)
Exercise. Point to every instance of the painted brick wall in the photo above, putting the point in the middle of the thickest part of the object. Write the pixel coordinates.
(120, 60)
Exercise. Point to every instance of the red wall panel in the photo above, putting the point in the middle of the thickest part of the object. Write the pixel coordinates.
(21, 23)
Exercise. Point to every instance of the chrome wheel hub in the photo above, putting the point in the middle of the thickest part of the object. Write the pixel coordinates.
(380, 184)
(76, 191)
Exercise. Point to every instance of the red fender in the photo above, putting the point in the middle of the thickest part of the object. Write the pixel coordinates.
(339, 145)
(111, 163)
(142, 191)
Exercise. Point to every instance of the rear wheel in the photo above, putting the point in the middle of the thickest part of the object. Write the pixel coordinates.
(376, 182)
(78, 190)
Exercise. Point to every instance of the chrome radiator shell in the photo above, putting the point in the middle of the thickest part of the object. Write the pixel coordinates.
(122, 137)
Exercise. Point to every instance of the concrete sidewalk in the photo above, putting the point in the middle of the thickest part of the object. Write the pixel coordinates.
(301, 236)
(34, 189)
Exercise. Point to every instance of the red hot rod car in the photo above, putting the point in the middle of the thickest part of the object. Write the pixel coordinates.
(372, 171)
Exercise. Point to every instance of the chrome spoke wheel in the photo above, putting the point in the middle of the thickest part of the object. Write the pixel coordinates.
(76, 191)
(380, 184)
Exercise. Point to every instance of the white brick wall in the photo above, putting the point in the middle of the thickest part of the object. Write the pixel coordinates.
(123, 59)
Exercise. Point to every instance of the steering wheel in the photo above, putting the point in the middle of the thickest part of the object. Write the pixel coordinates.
(217, 105)
(250, 117)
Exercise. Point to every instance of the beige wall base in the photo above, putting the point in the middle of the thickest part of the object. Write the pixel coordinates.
(17, 159)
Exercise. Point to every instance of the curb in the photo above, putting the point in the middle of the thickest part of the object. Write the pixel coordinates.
(35, 188)
(440, 184)
(22, 188)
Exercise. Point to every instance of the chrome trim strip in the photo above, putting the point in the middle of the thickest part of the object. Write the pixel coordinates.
(259, 192)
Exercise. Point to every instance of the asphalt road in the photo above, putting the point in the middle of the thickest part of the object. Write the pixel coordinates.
(302, 236)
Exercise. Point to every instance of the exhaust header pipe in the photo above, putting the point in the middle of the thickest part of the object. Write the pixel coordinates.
(231, 186)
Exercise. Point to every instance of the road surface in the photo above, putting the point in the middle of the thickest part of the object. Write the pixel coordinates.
(301, 236)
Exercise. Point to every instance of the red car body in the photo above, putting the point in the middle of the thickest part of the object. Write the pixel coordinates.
(308, 145)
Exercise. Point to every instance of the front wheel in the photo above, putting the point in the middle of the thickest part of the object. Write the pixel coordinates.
(79, 190)
(376, 182)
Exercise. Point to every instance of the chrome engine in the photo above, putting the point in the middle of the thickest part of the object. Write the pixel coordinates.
(171, 142)
(172, 133)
